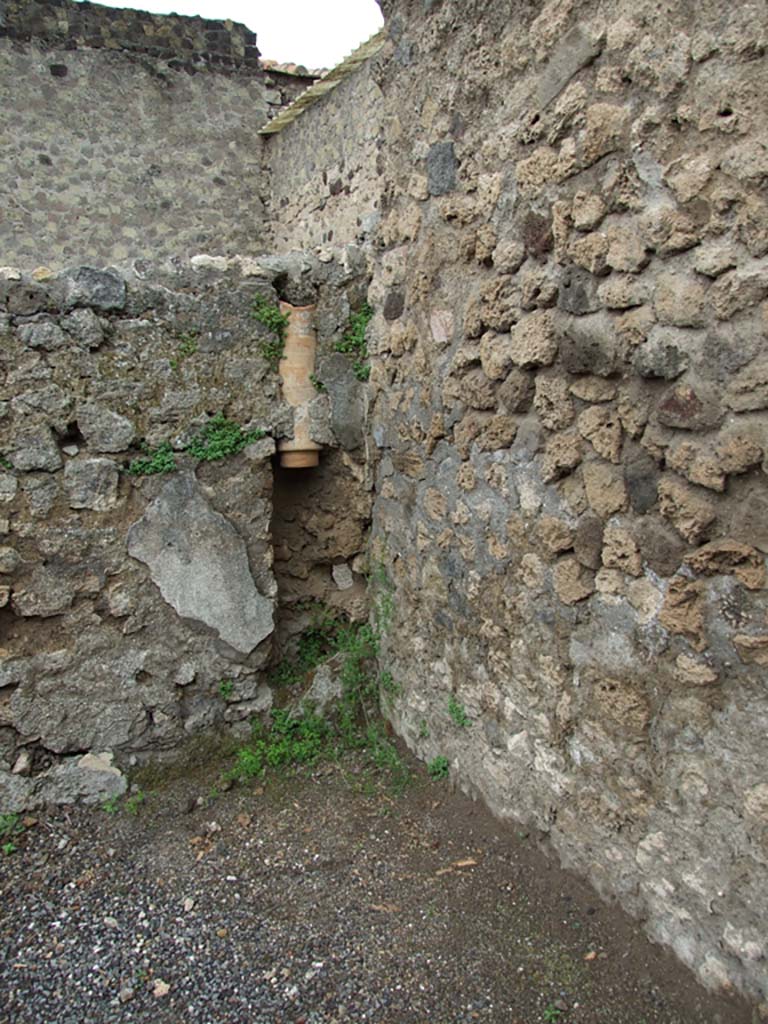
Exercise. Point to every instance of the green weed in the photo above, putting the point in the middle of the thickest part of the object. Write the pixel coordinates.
(290, 739)
(268, 314)
(10, 826)
(187, 348)
(551, 1014)
(423, 729)
(317, 643)
(111, 805)
(389, 688)
(318, 384)
(353, 341)
(226, 689)
(134, 802)
(6, 463)
(438, 767)
(459, 716)
(297, 736)
(155, 460)
(219, 438)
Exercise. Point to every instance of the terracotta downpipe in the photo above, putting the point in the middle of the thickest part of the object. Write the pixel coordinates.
(297, 364)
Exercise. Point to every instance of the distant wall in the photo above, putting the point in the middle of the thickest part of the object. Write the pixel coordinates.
(325, 168)
(127, 135)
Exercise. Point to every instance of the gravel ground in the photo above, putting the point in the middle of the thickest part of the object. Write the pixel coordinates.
(318, 898)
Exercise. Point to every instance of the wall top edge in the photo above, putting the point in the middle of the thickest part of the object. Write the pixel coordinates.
(326, 84)
(190, 40)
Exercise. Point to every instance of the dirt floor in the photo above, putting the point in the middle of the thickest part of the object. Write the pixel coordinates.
(315, 899)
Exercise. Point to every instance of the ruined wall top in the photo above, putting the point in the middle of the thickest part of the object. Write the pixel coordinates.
(57, 23)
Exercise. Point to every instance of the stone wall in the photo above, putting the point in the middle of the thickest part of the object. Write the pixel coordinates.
(128, 135)
(126, 600)
(325, 169)
(570, 409)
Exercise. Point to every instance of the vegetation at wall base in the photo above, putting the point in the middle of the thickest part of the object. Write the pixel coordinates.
(297, 735)
(10, 827)
(316, 644)
(353, 341)
(438, 767)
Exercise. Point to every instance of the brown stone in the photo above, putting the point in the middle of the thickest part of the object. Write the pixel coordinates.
(627, 252)
(552, 402)
(685, 508)
(715, 258)
(485, 244)
(620, 551)
(670, 231)
(540, 168)
(435, 504)
(606, 125)
(606, 490)
(593, 389)
(752, 226)
(710, 465)
(410, 463)
(474, 390)
(693, 672)
(634, 325)
(498, 433)
(496, 355)
(590, 252)
(737, 290)
(753, 650)
(562, 454)
(679, 299)
(688, 176)
(554, 535)
(624, 703)
(602, 428)
(633, 408)
(623, 291)
(683, 611)
(465, 432)
(696, 465)
(537, 289)
(748, 391)
(465, 478)
(572, 582)
(727, 557)
(534, 340)
(508, 256)
(587, 211)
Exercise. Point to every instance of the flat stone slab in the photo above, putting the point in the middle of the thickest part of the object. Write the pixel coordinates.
(200, 564)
